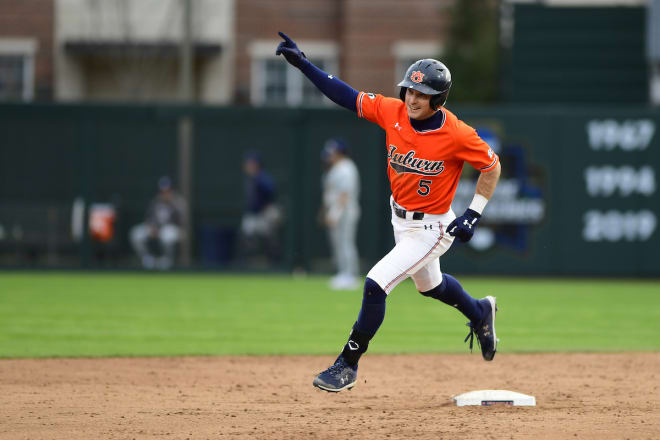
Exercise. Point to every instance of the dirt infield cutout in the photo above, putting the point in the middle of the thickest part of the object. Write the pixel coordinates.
(584, 396)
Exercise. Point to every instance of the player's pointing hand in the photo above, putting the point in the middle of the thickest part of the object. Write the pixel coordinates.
(290, 50)
(286, 39)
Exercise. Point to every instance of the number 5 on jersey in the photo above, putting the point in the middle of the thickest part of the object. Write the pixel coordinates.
(424, 187)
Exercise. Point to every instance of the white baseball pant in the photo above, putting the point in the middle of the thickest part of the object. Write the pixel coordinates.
(342, 241)
(416, 254)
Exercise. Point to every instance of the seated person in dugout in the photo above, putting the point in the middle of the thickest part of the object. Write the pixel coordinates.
(155, 240)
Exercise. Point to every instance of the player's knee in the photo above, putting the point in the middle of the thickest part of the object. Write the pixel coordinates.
(373, 293)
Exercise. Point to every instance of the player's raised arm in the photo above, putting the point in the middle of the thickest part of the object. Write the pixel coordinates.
(332, 87)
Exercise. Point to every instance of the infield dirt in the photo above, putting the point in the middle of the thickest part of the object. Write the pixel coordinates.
(584, 396)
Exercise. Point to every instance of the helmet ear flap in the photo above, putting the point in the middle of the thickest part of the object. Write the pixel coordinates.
(402, 93)
(439, 100)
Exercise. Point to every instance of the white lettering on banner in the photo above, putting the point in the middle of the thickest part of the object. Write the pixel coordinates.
(629, 135)
(607, 180)
(617, 226)
(507, 206)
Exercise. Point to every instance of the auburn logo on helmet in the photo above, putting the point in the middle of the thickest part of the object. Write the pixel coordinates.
(416, 76)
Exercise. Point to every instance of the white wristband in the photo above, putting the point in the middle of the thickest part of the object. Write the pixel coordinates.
(478, 203)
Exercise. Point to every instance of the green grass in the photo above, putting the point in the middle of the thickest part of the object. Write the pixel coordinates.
(119, 314)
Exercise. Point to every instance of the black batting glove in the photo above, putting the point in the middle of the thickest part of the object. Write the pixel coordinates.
(290, 50)
(463, 227)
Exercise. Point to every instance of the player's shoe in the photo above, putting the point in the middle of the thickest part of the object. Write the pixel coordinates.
(340, 376)
(485, 330)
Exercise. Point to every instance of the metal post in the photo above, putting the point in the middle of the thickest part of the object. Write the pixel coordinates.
(186, 63)
(185, 184)
(185, 128)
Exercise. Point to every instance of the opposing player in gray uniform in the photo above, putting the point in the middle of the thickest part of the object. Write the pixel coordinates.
(341, 212)
(163, 224)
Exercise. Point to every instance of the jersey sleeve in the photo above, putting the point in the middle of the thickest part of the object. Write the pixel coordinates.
(473, 150)
(372, 107)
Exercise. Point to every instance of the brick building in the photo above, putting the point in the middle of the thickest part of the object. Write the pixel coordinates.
(367, 43)
(26, 49)
(128, 50)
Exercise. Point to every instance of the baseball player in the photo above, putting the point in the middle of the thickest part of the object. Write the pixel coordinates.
(263, 216)
(341, 212)
(426, 147)
(163, 223)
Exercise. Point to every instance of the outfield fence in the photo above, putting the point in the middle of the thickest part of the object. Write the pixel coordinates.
(578, 194)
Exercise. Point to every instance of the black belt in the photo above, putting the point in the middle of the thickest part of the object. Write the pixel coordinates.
(400, 212)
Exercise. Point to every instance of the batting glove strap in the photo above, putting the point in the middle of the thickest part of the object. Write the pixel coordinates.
(463, 227)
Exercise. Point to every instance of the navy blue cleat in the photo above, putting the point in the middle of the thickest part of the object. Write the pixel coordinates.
(340, 376)
(485, 330)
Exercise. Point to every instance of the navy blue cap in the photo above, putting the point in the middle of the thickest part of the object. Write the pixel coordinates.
(164, 183)
(334, 145)
(254, 156)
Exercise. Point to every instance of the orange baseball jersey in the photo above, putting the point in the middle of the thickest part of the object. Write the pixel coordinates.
(424, 167)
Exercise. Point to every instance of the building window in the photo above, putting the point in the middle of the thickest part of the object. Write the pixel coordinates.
(276, 82)
(407, 52)
(17, 69)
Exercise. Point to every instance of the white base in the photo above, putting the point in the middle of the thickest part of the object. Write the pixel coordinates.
(494, 397)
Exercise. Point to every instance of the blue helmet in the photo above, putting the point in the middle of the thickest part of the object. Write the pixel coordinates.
(430, 77)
